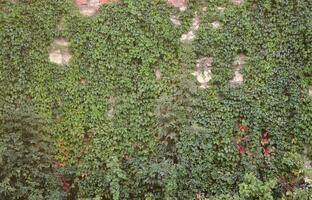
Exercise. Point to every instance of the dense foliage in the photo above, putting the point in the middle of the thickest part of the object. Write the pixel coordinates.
(26, 160)
(121, 133)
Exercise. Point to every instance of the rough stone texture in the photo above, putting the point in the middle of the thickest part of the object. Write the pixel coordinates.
(189, 36)
(221, 9)
(83, 81)
(216, 24)
(61, 42)
(81, 2)
(90, 7)
(111, 107)
(88, 11)
(203, 72)
(195, 24)
(305, 150)
(238, 77)
(175, 20)
(254, 6)
(308, 164)
(94, 3)
(180, 4)
(240, 59)
(103, 1)
(237, 2)
(310, 91)
(238, 65)
(59, 53)
(56, 57)
(158, 74)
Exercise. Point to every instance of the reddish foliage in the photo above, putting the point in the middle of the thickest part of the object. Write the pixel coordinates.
(265, 134)
(241, 149)
(264, 137)
(266, 151)
(66, 184)
(58, 165)
(242, 128)
(264, 142)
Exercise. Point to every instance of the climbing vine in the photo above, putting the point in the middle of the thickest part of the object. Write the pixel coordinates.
(130, 121)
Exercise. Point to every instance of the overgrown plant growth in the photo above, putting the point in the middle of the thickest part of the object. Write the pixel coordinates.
(130, 121)
(26, 158)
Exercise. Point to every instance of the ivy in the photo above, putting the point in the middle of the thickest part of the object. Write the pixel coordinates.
(130, 121)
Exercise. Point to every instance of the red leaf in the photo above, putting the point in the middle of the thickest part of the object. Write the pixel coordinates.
(266, 151)
(264, 137)
(265, 134)
(66, 184)
(242, 128)
(241, 149)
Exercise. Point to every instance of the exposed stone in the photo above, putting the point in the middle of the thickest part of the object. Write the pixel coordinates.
(189, 36)
(310, 91)
(308, 164)
(305, 150)
(104, 1)
(254, 6)
(66, 57)
(59, 53)
(238, 65)
(237, 2)
(216, 24)
(203, 72)
(175, 20)
(90, 7)
(240, 59)
(88, 11)
(111, 107)
(238, 77)
(56, 57)
(221, 9)
(158, 74)
(195, 23)
(61, 42)
(81, 2)
(83, 81)
(180, 4)
(95, 3)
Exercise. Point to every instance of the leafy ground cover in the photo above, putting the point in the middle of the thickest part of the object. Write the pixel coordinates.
(198, 99)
